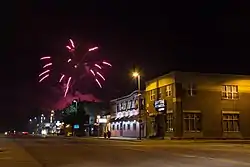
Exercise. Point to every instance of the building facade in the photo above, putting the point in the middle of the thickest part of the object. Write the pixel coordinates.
(125, 116)
(199, 105)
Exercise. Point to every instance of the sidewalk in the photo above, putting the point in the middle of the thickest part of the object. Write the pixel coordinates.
(120, 139)
(13, 155)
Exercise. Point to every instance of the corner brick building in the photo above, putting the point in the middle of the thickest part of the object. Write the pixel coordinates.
(199, 105)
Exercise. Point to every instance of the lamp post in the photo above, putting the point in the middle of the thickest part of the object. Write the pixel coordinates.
(137, 75)
(76, 104)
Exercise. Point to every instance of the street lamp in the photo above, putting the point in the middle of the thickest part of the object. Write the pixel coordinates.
(137, 75)
(76, 104)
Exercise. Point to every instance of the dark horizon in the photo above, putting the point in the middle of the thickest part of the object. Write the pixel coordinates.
(188, 37)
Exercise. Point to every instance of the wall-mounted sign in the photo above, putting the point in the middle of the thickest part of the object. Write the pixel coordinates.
(102, 120)
(160, 105)
(76, 127)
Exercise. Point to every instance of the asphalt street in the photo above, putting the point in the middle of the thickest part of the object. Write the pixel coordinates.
(89, 152)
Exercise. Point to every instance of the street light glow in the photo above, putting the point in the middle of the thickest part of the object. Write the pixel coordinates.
(135, 74)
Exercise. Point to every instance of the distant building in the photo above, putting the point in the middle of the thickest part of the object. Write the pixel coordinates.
(195, 105)
(125, 116)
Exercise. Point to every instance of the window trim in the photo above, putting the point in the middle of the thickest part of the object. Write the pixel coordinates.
(195, 112)
(192, 87)
(169, 90)
(226, 89)
(233, 120)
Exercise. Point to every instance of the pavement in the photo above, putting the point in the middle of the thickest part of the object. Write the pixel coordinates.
(89, 152)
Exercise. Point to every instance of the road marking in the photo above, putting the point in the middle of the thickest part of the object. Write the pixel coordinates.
(5, 158)
(216, 159)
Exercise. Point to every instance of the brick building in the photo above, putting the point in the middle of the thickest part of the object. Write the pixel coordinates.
(197, 105)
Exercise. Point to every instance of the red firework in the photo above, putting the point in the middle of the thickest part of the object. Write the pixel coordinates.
(66, 77)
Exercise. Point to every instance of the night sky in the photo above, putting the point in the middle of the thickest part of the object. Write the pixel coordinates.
(156, 38)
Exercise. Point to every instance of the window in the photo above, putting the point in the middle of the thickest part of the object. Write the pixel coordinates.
(124, 127)
(169, 122)
(128, 126)
(124, 106)
(152, 95)
(117, 127)
(134, 126)
(129, 105)
(118, 108)
(192, 90)
(160, 93)
(231, 123)
(192, 122)
(168, 90)
(113, 127)
(230, 92)
(133, 104)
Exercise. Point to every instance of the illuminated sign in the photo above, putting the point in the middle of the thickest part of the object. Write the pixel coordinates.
(102, 120)
(76, 127)
(160, 105)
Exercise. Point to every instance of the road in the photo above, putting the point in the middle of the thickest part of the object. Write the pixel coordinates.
(62, 152)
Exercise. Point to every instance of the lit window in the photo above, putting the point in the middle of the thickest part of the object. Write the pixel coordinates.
(192, 122)
(168, 90)
(230, 92)
(231, 123)
(192, 90)
(152, 94)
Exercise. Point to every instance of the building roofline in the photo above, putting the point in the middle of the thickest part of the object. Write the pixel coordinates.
(173, 73)
(126, 96)
(161, 76)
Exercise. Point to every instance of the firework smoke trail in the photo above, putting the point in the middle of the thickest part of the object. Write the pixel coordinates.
(106, 63)
(46, 65)
(43, 58)
(44, 78)
(100, 75)
(44, 72)
(98, 83)
(67, 87)
(61, 78)
(98, 66)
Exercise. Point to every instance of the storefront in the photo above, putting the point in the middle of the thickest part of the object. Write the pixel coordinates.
(125, 117)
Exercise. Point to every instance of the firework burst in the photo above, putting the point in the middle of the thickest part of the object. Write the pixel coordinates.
(76, 68)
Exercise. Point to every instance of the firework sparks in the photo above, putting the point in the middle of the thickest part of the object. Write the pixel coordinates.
(46, 65)
(98, 66)
(67, 87)
(72, 43)
(43, 58)
(92, 49)
(92, 72)
(74, 69)
(44, 72)
(100, 75)
(98, 83)
(61, 78)
(106, 63)
(43, 78)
